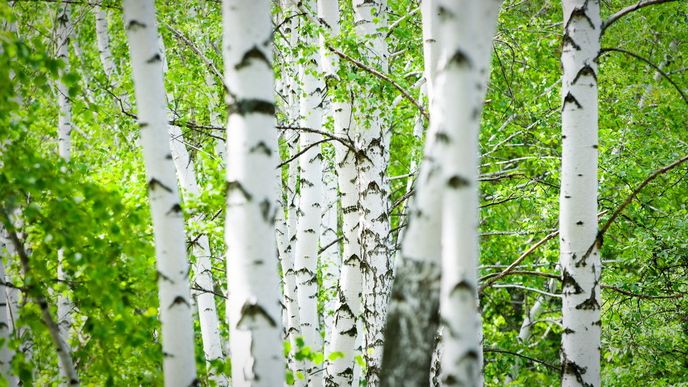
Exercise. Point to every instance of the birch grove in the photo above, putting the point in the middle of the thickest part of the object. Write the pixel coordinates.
(343, 193)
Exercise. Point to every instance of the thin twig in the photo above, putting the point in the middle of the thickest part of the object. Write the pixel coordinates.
(625, 11)
(384, 77)
(497, 350)
(654, 66)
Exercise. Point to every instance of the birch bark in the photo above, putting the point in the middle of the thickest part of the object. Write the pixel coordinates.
(103, 41)
(64, 140)
(310, 204)
(254, 309)
(347, 309)
(413, 315)
(6, 354)
(203, 292)
(579, 256)
(370, 17)
(179, 364)
(330, 259)
(466, 29)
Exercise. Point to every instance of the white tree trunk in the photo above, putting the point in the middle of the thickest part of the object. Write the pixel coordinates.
(290, 91)
(64, 130)
(330, 259)
(526, 328)
(176, 318)
(204, 285)
(466, 29)
(310, 206)
(429, 12)
(6, 354)
(347, 308)
(103, 41)
(340, 371)
(370, 17)
(252, 267)
(579, 257)
(412, 319)
(64, 29)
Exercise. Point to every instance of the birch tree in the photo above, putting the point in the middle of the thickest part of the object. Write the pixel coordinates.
(310, 201)
(579, 256)
(203, 292)
(370, 17)
(412, 319)
(179, 364)
(64, 29)
(6, 353)
(103, 41)
(347, 309)
(253, 311)
(466, 29)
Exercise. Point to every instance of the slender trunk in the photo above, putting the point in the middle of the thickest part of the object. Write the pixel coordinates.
(64, 29)
(579, 256)
(64, 353)
(347, 308)
(466, 29)
(526, 328)
(203, 292)
(290, 205)
(310, 206)
(6, 354)
(412, 318)
(371, 17)
(176, 318)
(254, 311)
(103, 41)
(64, 130)
(203, 284)
(429, 12)
(329, 259)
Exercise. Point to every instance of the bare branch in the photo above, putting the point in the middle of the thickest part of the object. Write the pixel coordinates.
(631, 8)
(637, 190)
(643, 296)
(657, 68)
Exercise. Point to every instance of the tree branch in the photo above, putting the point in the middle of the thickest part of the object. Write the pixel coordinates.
(189, 43)
(497, 350)
(642, 296)
(657, 68)
(384, 77)
(63, 351)
(631, 8)
(637, 190)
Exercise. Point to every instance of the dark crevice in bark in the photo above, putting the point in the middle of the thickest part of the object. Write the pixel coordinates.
(236, 186)
(249, 56)
(247, 106)
(154, 183)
